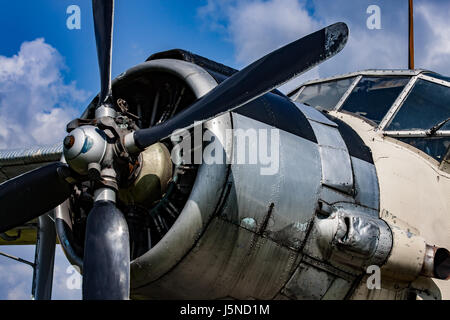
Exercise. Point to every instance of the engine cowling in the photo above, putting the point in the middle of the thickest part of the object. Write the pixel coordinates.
(300, 222)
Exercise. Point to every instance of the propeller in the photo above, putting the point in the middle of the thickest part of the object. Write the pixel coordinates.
(94, 151)
(262, 76)
(103, 22)
(33, 194)
(106, 261)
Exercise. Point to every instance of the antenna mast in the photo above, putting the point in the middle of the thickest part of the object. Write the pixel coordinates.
(411, 35)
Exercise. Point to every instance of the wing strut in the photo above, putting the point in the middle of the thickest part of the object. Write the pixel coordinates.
(44, 259)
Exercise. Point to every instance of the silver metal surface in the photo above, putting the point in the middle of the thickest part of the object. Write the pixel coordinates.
(195, 216)
(313, 114)
(312, 283)
(105, 194)
(367, 191)
(286, 222)
(336, 165)
(435, 80)
(350, 240)
(357, 209)
(227, 262)
(416, 134)
(328, 136)
(385, 244)
(89, 147)
(338, 289)
(369, 72)
(104, 111)
(336, 169)
(331, 196)
(79, 138)
(195, 77)
(37, 154)
(198, 80)
(129, 143)
(202, 201)
(429, 264)
(63, 224)
(261, 222)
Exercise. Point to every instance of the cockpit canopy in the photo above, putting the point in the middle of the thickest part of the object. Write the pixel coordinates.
(412, 106)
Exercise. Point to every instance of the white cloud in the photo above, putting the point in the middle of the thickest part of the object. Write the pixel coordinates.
(256, 27)
(35, 106)
(433, 36)
(18, 292)
(35, 102)
(254, 35)
(16, 278)
(60, 288)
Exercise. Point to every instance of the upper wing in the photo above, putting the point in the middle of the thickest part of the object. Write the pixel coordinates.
(14, 163)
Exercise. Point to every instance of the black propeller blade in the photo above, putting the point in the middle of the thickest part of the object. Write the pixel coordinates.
(103, 22)
(257, 79)
(32, 194)
(106, 262)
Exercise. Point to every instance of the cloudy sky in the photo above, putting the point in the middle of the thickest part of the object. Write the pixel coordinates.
(48, 73)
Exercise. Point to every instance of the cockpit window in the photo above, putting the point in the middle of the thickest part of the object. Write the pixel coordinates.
(325, 95)
(437, 76)
(435, 147)
(373, 96)
(427, 105)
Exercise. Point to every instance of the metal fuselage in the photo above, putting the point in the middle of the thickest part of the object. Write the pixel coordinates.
(305, 225)
(414, 191)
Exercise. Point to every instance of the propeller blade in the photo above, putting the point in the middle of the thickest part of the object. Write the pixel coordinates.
(262, 76)
(103, 22)
(106, 262)
(33, 194)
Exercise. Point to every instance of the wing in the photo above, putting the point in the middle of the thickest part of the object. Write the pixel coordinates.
(14, 163)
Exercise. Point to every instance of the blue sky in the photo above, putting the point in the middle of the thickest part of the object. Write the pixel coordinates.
(49, 73)
(142, 28)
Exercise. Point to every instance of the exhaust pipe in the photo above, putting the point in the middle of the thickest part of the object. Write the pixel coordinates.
(437, 263)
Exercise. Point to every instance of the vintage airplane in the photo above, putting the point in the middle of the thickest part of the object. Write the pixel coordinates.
(363, 182)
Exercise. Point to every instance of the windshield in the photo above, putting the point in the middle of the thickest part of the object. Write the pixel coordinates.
(427, 105)
(373, 96)
(436, 147)
(325, 95)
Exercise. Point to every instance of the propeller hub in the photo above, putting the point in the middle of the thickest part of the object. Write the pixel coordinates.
(69, 142)
(84, 145)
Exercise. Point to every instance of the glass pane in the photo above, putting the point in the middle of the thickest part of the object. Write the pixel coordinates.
(437, 76)
(325, 95)
(435, 147)
(427, 105)
(373, 96)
